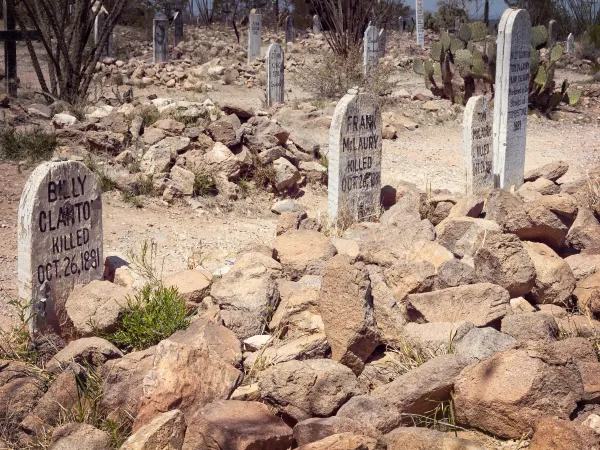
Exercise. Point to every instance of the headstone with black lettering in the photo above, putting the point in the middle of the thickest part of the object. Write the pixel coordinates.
(511, 98)
(354, 186)
(370, 48)
(420, 23)
(254, 39)
(552, 33)
(59, 236)
(290, 34)
(275, 65)
(477, 145)
(161, 38)
(99, 25)
(382, 42)
(571, 43)
(177, 28)
(317, 28)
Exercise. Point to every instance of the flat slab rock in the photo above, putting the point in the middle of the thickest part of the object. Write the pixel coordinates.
(480, 304)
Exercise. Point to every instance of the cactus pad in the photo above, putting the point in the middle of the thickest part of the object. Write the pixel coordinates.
(428, 68)
(556, 53)
(436, 51)
(464, 33)
(478, 31)
(574, 97)
(445, 41)
(418, 67)
(539, 36)
(541, 77)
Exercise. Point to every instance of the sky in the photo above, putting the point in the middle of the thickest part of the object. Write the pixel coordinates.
(497, 7)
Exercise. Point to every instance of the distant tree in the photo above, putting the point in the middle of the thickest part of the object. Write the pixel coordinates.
(486, 13)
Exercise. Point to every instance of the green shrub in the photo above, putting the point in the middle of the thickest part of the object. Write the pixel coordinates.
(132, 199)
(204, 183)
(154, 314)
(33, 146)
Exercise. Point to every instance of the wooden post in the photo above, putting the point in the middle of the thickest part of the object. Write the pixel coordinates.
(10, 49)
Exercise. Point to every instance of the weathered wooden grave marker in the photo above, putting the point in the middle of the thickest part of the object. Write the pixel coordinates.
(355, 159)
(511, 98)
(161, 38)
(254, 39)
(177, 27)
(317, 27)
(477, 145)
(59, 236)
(290, 34)
(420, 23)
(401, 24)
(571, 43)
(370, 48)
(275, 74)
(10, 36)
(99, 24)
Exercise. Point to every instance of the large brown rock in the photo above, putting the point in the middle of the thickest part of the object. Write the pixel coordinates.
(303, 252)
(221, 159)
(404, 279)
(586, 292)
(223, 131)
(95, 307)
(20, 389)
(460, 233)
(91, 350)
(422, 438)
(345, 441)
(279, 351)
(186, 378)
(454, 273)
(584, 234)
(305, 389)
(123, 379)
(312, 430)
(429, 251)
(165, 432)
(552, 171)
(77, 436)
(584, 264)
(542, 186)
(481, 304)
(531, 327)
(192, 285)
(236, 425)
(506, 394)
(501, 259)
(247, 294)
(552, 433)
(390, 314)
(353, 335)
(435, 338)
(298, 313)
(554, 282)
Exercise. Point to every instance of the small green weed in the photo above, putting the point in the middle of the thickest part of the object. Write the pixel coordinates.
(132, 199)
(35, 145)
(324, 160)
(204, 183)
(105, 182)
(149, 115)
(263, 174)
(245, 186)
(151, 316)
(145, 185)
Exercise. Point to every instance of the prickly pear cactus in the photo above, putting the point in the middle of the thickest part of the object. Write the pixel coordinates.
(539, 37)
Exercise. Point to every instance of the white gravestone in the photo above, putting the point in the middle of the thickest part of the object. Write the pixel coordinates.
(477, 145)
(317, 28)
(571, 43)
(511, 98)
(420, 23)
(382, 42)
(290, 35)
(99, 25)
(401, 24)
(161, 38)
(552, 33)
(371, 48)
(60, 235)
(177, 28)
(275, 77)
(254, 36)
(355, 159)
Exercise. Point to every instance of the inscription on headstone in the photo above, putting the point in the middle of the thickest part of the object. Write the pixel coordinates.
(290, 34)
(177, 28)
(477, 145)
(571, 43)
(317, 28)
(355, 159)
(99, 24)
(254, 41)
(60, 235)
(511, 98)
(161, 38)
(420, 23)
(275, 74)
(382, 42)
(371, 48)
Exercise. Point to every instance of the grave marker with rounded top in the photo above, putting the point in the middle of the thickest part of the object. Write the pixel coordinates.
(254, 39)
(59, 235)
(477, 145)
(354, 186)
(177, 28)
(552, 33)
(317, 28)
(290, 35)
(275, 74)
(161, 38)
(511, 98)
(420, 23)
(571, 43)
(370, 48)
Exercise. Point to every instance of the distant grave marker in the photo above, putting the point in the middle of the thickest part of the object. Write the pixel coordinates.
(254, 39)
(401, 24)
(317, 27)
(99, 25)
(457, 23)
(370, 48)
(571, 43)
(355, 159)
(477, 145)
(177, 28)
(59, 236)
(275, 74)
(511, 98)
(552, 33)
(290, 34)
(382, 42)
(161, 38)
(420, 23)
